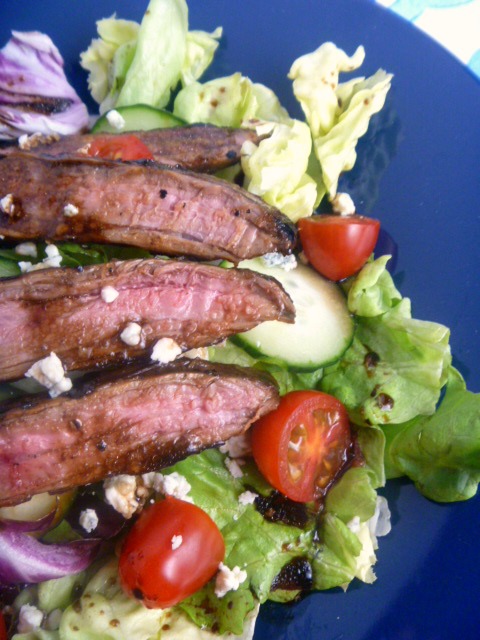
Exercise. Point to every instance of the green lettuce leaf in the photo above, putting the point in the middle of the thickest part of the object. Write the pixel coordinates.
(287, 380)
(9, 263)
(336, 564)
(72, 254)
(261, 554)
(440, 453)
(371, 440)
(335, 550)
(396, 365)
(338, 113)
(159, 55)
(75, 255)
(352, 496)
(262, 547)
(225, 615)
(132, 64)
(373, 291)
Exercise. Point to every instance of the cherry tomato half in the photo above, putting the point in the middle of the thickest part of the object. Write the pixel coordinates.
(338, 246)
(172, 550)
(119, 147)
(301, 446)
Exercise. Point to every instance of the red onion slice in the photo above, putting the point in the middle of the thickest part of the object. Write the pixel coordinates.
(29, 526)
(35, 95)
(26, 559)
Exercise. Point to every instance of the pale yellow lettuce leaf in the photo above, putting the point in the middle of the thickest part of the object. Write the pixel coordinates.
(229, 101)
(338, 113)
(276, 169)
(201, 47)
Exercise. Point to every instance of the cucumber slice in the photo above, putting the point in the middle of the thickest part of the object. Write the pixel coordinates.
(323, 328)
(138, 117)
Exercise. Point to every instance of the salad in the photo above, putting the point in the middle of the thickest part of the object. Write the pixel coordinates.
(388, 431)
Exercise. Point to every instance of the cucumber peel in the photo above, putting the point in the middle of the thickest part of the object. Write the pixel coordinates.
(138, 117)
(323, 328)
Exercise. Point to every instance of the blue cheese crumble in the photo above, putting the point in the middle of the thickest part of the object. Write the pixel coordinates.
(115, 120)
(49, 372)
(132, 334)
(228, 579)
(288, 263)
(165, 350)
(88, 520)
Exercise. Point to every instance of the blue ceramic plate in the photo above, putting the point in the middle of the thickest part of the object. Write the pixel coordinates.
(418, 172)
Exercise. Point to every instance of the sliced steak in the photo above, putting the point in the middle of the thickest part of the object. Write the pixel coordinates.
(204, 148)
(67, 311)
(143, 204)
(199, 147)
(135, 421)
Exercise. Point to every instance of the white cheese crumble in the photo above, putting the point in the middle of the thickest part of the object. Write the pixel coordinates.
(234, 467)
(165, 350)
(50, 373)
(342, 204)
(173, 484)
(228, 579)
(23, 140)
(84, 151)
(26, 249)
(120, 493)
(88, 519)
(247, 497)
(53, 256)
(237, 446)
(52, 260)
(6, 204)
(25, 267)
(70, 210)
(109, 294)
(26, 142)
(288, 263)
(152, 480)
(115, 120)
(29, 618)
(176, 542)
(132, 334)
(201, 352)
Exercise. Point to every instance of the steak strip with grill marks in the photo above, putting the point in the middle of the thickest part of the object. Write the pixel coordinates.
(137, 420)
(142, 204)
(64, 310)
(200, 147)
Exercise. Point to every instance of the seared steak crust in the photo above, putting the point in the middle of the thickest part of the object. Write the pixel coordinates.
(144, 204)
(140, 419)
(200, 147)
(64, 310)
